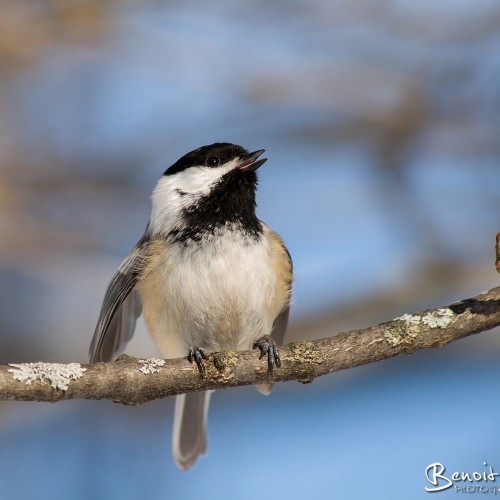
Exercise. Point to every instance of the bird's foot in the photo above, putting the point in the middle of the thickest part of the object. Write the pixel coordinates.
(268, 346)
(198, 355)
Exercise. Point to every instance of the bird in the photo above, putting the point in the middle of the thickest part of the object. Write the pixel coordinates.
(207, 275)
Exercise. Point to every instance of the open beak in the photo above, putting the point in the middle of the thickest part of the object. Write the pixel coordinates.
(249, 163)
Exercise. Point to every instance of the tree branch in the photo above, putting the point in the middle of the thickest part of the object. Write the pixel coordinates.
(132, 381)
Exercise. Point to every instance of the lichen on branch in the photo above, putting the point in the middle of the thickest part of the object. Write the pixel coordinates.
(134, 381)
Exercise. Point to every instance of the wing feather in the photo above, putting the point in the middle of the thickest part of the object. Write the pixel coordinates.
(280, 326)
(120, 309)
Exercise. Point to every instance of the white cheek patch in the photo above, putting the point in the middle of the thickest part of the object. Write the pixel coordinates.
(174, 193)
(198, 181)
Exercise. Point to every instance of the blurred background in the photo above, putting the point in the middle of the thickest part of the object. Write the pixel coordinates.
(381, 122)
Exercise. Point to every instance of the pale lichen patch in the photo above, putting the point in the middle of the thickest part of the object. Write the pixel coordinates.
(59, 375)
(151, 365)
(405, 329)
(410, 319)
(304, 352)
(374, 341)
(222, 368)
(401, 333)
(223, 361)
(440, 318)
(223, 377)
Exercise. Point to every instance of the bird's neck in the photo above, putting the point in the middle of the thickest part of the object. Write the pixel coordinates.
(229, 206)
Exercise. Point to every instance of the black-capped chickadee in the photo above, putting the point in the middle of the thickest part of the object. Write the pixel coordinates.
(207, 274)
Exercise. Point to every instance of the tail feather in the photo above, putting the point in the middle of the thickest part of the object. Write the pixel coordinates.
(265, 388)
(190, 436)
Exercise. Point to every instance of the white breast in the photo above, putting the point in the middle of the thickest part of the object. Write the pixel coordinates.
(220, 296)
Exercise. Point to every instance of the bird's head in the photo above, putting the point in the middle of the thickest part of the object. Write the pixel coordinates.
(210, 187)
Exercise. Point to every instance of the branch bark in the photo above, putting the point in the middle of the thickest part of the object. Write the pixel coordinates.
(132, 381)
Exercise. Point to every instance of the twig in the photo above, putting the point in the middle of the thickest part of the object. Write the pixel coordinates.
(132, 381)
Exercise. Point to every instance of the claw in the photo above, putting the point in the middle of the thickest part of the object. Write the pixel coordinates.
(267, 345)
(198, 354)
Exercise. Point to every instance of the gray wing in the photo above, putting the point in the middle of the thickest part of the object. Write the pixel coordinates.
(120, 309)
(280, 325)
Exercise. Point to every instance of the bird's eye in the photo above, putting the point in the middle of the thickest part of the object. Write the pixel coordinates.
(213, 161)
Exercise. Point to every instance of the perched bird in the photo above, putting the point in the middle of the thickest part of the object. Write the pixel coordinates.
(207, 275)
